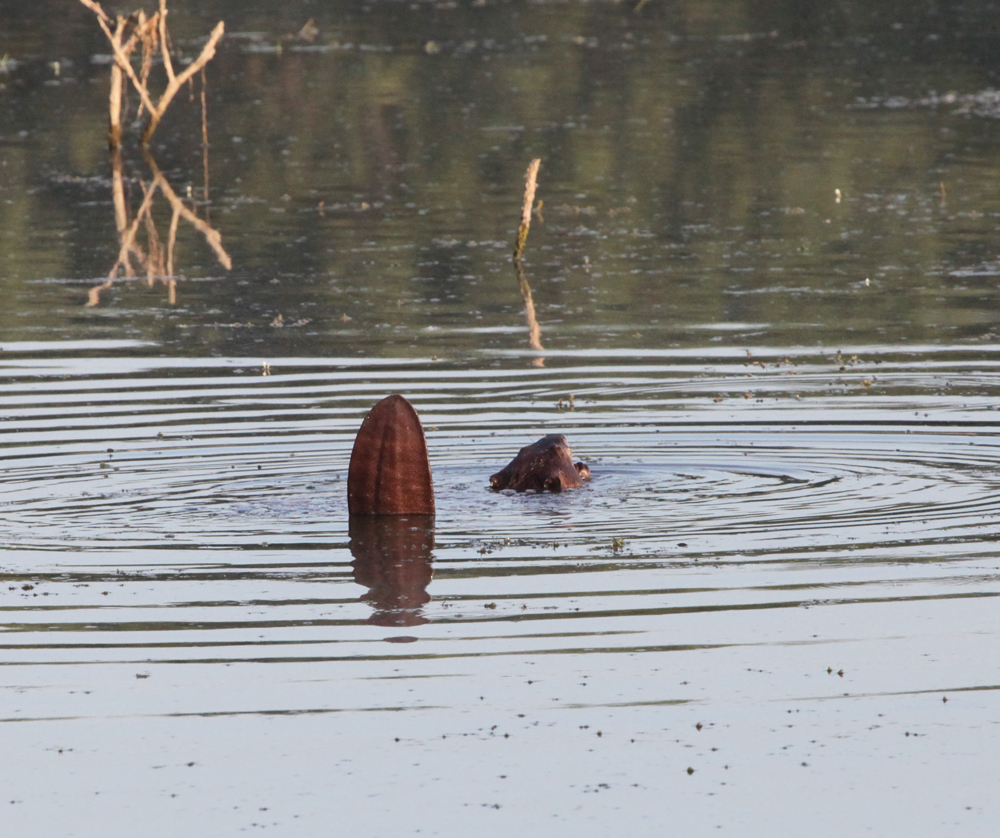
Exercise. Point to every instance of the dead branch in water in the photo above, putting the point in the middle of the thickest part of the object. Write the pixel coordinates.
(151, 32)
(530, 184)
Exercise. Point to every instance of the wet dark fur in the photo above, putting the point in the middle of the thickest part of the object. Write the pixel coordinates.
(543, 466)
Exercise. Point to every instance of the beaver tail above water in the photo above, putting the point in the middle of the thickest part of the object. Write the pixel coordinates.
(390, 473)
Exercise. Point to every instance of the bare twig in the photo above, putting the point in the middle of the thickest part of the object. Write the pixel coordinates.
(115, 109)
(204, 130)
(530, 184)
(177, 82)
(164, 43)
(151, 32)
(147, 32)
(96, 9)
(122, 60)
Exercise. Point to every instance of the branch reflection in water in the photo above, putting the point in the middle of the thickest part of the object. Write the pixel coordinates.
(393, 557)
(155, 262)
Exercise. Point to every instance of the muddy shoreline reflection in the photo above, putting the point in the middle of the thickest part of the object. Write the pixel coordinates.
(393, 556)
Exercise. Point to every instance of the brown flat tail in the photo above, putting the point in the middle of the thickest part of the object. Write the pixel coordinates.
(389, 472)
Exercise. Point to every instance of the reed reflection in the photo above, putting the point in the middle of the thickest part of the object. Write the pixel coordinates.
(393, 556)
(534, 330)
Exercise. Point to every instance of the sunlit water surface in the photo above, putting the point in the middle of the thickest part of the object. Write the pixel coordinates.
(765, 590)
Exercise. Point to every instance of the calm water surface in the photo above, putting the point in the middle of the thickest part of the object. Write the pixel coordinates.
(765, 279)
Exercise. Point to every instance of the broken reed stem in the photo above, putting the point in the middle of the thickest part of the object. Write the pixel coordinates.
(530, 184)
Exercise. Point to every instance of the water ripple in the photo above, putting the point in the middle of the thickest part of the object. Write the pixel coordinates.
(178, 512)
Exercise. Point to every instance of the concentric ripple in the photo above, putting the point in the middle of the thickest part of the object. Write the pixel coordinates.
(220, 456)
(207, 502)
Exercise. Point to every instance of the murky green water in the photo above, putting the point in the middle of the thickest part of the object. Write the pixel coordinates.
(764, 273)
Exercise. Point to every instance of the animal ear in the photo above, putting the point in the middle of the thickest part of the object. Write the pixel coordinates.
(552, 484)
(583, 470)
(390, 473)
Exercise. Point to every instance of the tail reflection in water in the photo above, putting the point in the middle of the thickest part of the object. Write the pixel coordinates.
(393, 557)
